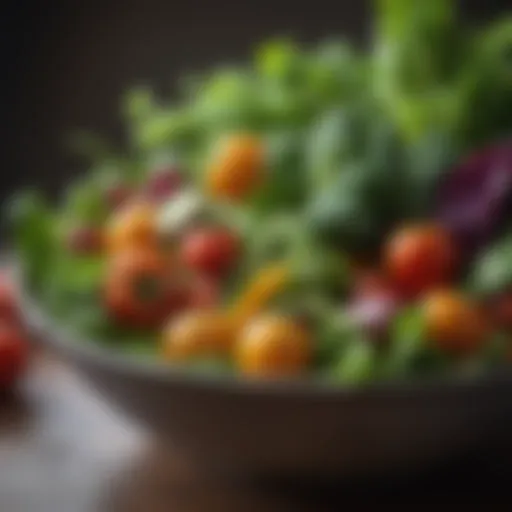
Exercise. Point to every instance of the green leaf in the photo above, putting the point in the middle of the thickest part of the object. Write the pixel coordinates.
(85, 202)
(138, 104)
(427, 159)
(278, 59)
(486, 86)
(334, 140)
(414, 44)
(409, 352)
(333, 334)
(358, 364)
(492, 270)
(366, 197)
(33, 228)
(168, 128)
(340, 216)
(73, 284)
(286, 183)
(417, 59)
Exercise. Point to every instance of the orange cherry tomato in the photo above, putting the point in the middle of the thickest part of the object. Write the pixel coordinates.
(420, 258)
(14, 353)
(237, 169)
(211, 250)
(141, 290)
(273, 346)
(197, 334)
(454, 324)
(132, 226)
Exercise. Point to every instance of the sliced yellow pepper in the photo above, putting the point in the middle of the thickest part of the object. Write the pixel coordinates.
(266, 285)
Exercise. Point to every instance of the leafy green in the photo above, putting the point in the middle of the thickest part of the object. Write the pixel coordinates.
(356, 210)
(416, 53)
(409, 352)
(358, 363)
(486, 86)
(286, 183)
(34, 230)
(492, 270)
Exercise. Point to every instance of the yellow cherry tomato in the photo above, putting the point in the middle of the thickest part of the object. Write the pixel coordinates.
(273, 346)
(454, 323)
(197, 334)
(237, 169)
(131, 227)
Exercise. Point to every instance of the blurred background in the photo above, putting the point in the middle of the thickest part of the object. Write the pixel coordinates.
(66, 62)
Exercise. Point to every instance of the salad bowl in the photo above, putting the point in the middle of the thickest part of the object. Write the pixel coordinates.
(291, 428)
(299, 266)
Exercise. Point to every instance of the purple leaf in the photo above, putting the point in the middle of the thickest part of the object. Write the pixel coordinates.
(475, 197)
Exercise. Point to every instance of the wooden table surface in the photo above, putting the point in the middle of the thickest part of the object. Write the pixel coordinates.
(63, 450)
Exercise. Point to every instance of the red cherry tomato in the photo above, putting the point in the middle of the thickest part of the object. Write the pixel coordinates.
(13, 355)
(212, 251)
(420, 258)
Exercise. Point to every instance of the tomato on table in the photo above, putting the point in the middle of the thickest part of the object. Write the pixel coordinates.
(420, 258)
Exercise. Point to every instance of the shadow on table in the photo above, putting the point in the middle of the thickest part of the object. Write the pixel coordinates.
(160, 481)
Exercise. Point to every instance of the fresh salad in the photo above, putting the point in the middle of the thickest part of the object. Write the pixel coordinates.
(330, 212)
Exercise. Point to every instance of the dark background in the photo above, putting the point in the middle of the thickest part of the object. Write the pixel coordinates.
(65, 63)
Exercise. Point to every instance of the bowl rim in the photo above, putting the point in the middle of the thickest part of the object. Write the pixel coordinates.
(58, 337)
